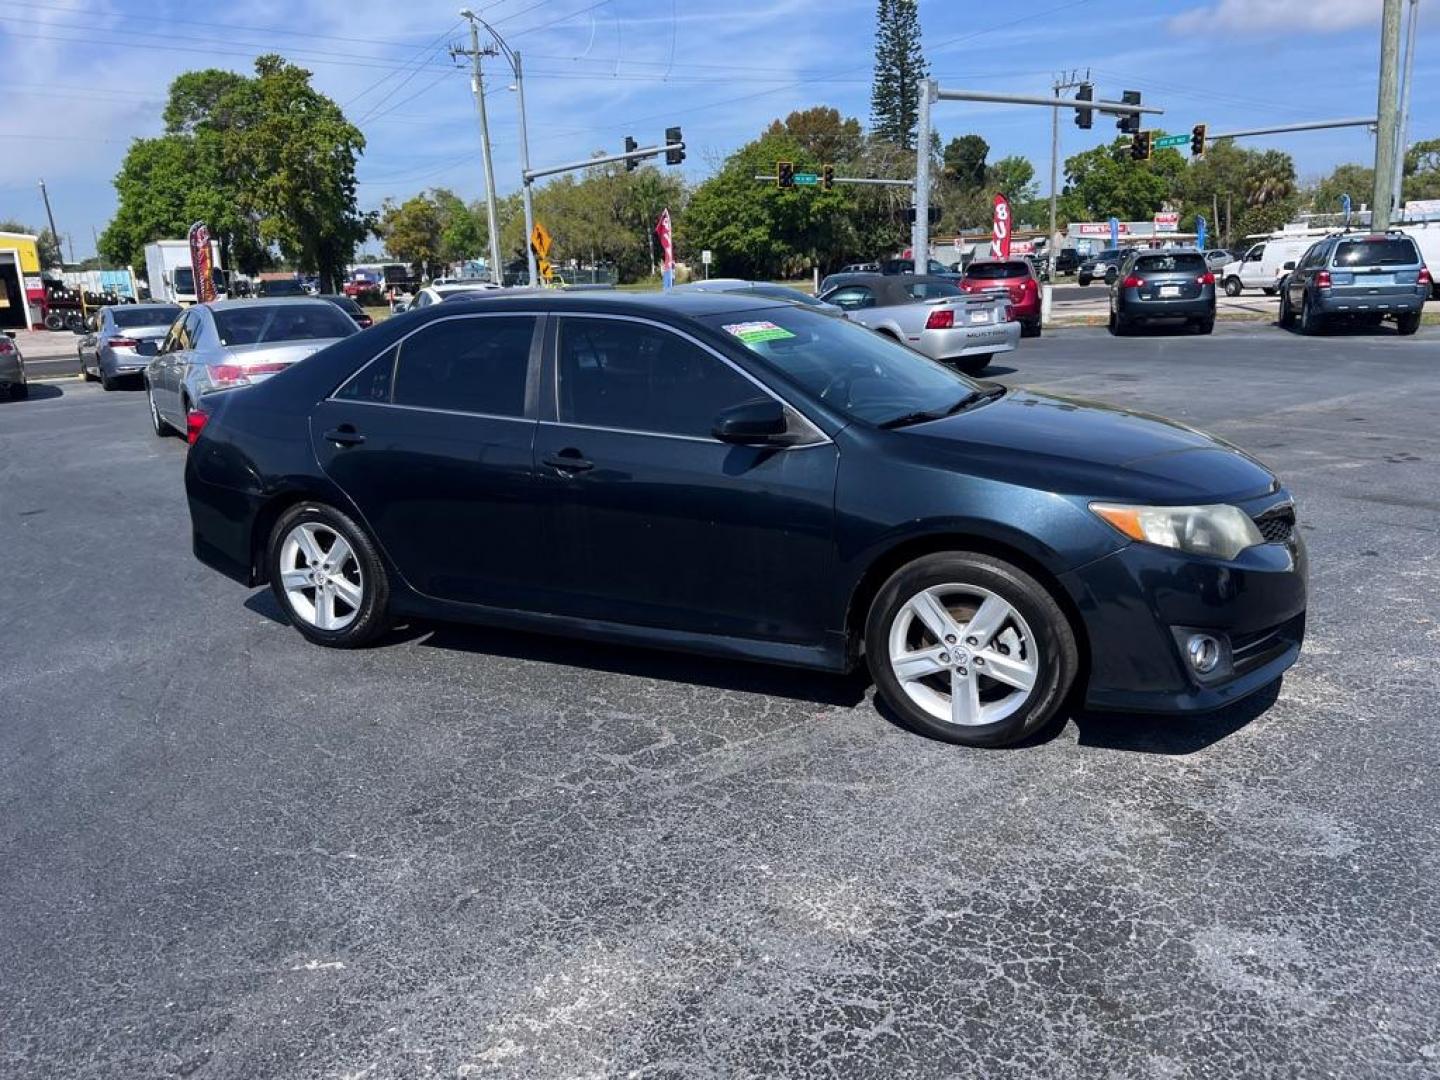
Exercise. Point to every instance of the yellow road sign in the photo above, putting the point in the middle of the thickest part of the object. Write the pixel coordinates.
(540, 240)
(542, 265)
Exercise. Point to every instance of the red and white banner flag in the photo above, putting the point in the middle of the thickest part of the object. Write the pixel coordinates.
(667, 245)
(1000, 230)
(202, 263)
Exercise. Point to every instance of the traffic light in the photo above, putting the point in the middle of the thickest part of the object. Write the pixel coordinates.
(1197, 140)
(933, 215)
(1140, 145)
(827, 177)
(1130, 122)
(677, 155)
(1085, 117)
(785, 174)
(631, 164)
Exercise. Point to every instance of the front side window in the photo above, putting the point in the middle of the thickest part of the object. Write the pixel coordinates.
(1256, 253)
(850, 297)
(862, 374)
(472, 365)
(632, 376)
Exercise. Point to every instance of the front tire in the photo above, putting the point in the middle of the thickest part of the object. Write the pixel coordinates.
(1232, 286)
(1287, 313)
(1111, 276)
(969, 649)
(328, 577)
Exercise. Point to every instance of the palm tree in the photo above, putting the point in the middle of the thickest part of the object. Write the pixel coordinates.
(1270, 178)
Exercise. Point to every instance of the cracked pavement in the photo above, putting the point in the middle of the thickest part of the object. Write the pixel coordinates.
(472, 853)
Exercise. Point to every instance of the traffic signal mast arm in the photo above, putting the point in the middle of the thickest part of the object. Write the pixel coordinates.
(643, 152)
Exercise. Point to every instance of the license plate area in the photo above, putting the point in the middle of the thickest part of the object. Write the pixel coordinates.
(1168, 291)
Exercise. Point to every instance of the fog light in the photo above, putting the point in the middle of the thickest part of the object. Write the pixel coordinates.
(1203, 652)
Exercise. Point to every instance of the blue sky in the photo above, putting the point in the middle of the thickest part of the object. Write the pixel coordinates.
(84, 77)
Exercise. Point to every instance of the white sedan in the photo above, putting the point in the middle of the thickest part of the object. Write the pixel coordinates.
(434, 294)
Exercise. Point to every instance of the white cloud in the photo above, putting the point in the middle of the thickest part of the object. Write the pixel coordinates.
(1254, 17)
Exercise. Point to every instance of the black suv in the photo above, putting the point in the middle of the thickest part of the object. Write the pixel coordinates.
(1163, 285)
(1068, 261)
(1361, 276)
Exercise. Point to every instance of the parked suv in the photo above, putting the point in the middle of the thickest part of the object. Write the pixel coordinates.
(1068, 261)
(1105, 264)
(1163, 285)
(1366, 277)
(1013, 279)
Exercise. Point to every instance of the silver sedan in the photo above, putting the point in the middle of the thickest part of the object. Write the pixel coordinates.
(930, 315)
(108, 353)
(232, 343)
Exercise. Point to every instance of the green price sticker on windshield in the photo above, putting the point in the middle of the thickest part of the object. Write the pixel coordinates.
(752, 333)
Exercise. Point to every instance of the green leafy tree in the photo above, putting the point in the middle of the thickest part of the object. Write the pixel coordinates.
(463, 232)
(964, 162)
(823, 134)
(1014, 176)
(899, 67)
(412, 232)
(1422, 170)
(1105, 181)
(1357, 181)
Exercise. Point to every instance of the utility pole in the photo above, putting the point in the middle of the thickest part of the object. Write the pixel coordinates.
(1071, 81)
(477, 84)
(1403, 129)
(920, 230)
(51, 216)
(1387, 111)
(525, 192)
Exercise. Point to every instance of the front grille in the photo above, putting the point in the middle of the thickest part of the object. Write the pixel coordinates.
(1277, 524)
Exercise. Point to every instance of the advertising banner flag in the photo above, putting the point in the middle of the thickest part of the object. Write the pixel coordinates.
(202, 263)
(1000, 230)
(1201, 227)
(1114, 232)
(667, 248)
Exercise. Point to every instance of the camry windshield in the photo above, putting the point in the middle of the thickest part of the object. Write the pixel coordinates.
(856, 371)
(260, 324)
(144, 315)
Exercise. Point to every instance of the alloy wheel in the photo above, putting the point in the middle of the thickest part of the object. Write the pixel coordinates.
(320, 576)
(963, 654)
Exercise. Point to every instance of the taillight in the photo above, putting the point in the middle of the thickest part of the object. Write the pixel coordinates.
(6, 345)
(123, 342)
(1132, 281)
(940, 319)
(194, 424)
(234, 374)
(1424, 278)
(1322, 279)
(1206, 278)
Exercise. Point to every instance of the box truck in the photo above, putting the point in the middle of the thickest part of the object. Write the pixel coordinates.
(170, 275)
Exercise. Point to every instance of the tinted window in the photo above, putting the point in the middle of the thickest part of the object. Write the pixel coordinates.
(1174, 263)
(1392, 251)
(126, 317)
(630, 375)
(423, 300)
(345, 304)
(861, 373)
(850, 297)
(995, 271)
(281, 288)
(372, 382)
(263, 323)
(473, 365)
(933, 290)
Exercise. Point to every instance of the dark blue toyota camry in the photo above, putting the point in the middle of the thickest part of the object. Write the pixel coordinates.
(747, 478)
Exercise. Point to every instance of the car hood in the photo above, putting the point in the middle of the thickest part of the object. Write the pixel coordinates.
(1078, 447)
(277, 352)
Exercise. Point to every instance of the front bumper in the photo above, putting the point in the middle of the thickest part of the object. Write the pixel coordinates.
(967, 341)
(1134, 600)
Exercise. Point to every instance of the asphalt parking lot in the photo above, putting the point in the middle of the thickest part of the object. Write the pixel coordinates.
(466, 853)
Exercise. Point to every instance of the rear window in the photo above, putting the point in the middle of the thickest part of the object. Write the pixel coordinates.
(997, 271)
(127, 317)
(1170, 264)
(1391, 251)
(933, 290)
(259, 324)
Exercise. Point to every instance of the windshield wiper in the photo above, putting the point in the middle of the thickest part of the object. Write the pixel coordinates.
(922, 416)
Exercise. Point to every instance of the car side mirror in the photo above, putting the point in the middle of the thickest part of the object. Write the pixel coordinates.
(398, 307)
(1290, 266)
(92, 323)
(148, 348)
(761, 422)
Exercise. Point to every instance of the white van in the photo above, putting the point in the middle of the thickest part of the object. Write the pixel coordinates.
(1263, 265)
(1427, 238)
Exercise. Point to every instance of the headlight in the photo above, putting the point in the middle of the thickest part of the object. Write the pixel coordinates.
(1220, 531)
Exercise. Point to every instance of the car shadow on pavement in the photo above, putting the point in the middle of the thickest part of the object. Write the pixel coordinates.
(1171, 736)
(639, 661)
(994, 371)
(38, 392)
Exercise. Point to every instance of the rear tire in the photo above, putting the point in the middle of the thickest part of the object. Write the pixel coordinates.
(1309, 321)
(19, 391)
(157, 422)
(1270, 292)
(1082, 280)
(974, 365)
(1030, 329)
(356, 603)
(1205, 326)
(1023, 634)
(1118, 326)
(1232, 286)
(106, 382)
(1406, 325)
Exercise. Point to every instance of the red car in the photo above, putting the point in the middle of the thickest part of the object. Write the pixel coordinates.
(1016, 278)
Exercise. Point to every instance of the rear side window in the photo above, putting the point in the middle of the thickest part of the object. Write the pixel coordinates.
(1391, 251)
(997, 271)
(1171, 264)
(473, 365)
(372, 382)
(850, 297)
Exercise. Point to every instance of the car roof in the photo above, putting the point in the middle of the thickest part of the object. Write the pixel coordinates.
(690, 303)
(261, 301)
